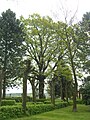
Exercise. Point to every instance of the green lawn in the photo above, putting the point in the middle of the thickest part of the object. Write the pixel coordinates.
(62, 114)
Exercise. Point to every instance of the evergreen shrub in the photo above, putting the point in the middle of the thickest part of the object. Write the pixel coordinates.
(8, 102)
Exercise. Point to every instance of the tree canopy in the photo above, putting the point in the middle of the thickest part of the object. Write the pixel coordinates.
(11, 39)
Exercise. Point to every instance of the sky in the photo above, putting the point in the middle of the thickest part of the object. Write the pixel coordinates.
(53, 8)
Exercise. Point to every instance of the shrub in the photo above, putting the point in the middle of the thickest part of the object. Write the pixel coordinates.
(18, 99)
(85, 90)
(7, 102)
(61, 105)
(79, 101)
(70, 102)
(9, 98)
(47, 102)
(7, 112)
(36, 109)
(41, 100)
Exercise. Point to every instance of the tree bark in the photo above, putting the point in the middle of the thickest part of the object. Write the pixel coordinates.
(0, 86)
(4, 88)
(66, 91)
(79, 94)
(24, 95)
(41, 88)
(75, 79)
(25, 77)
(53, 92)
(75, 90)
(74, 100)
(34, 93)
(4, 81)
(33, 89)
(62, 89)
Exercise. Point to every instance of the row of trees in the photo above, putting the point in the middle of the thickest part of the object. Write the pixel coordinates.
(37, 49)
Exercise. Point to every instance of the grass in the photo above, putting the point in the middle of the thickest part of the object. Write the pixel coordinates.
(62, 114)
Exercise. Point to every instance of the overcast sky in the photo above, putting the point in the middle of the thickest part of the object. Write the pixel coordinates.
(46, 7)
(53, 8)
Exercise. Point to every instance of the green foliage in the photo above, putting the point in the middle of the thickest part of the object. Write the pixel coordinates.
(11, 48)
(70, 102)
(87, 64)
(44, 46)
(86, 94)
(41, 100)
(61, 105)
(79, 101)
(85, 26)
(39, 109)
(8, 102)
(47, 102)
(18, 99)
(7, 112)
(85, 90)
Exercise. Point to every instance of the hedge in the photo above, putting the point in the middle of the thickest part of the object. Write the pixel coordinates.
(79, 101)
(61, 105)
(18, 99)
(36, 109)
(8, 102)
(7, 112)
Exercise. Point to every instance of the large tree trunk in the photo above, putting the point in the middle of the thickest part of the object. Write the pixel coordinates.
(34, 93)
(75, 89)
(74, 100)
(53, 92)
(75, 79)
(33, 89)
(41, 88)
(0, 86)
(79, 95)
